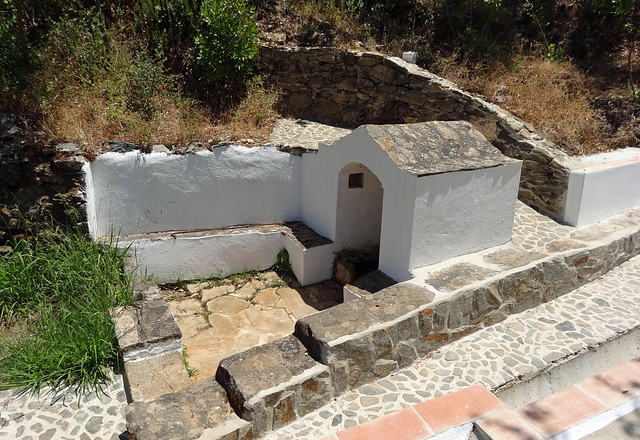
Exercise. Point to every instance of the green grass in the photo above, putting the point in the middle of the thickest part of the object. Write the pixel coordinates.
(56, 290)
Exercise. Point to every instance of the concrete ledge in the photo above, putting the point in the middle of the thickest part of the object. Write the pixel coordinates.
(224, 251)
(273, 384)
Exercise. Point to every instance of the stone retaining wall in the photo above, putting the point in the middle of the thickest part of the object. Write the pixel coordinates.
(36, 181)
(353, 88)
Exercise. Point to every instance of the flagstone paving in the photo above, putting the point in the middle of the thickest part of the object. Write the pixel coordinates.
(305, 134)
(218, 321)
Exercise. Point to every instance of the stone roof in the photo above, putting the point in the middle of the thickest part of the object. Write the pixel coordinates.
(437, 147)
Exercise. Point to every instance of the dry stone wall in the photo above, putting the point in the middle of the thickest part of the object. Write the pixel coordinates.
(353, 88)
(37, 180)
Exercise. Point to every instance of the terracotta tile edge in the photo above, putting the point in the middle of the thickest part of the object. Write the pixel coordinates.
(478, 423)
(597, 422)
(596, 396)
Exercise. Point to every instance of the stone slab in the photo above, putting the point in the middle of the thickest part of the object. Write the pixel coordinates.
(152, 377)
(458, 276)
(186, 414)
(370, 283)
(437, 147)
(273, 384)
(148, 328)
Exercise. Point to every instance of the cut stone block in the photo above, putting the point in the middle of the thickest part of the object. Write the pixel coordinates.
(365, 339)
(273, 384)
(148, 329)
(152, 377)
(199, 411)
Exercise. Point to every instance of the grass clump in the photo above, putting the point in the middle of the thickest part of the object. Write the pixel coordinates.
(56, 290)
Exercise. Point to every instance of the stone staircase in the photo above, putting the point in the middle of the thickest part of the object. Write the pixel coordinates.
(418, 340)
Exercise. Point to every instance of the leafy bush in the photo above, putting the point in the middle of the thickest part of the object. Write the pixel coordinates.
(13, 66)
(227, 40)
(147, 81)
(56, 290)
(167, 21)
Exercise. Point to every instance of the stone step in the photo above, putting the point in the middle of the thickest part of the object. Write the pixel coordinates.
(200, 410)
(366, 285)
(149, 378)
(515, 358)
(273, 384)
(148, 328)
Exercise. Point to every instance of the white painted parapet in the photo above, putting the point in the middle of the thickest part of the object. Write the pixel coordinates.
(135, 193)
(603, 185)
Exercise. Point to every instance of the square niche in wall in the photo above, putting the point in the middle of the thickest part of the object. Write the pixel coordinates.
(356, 180)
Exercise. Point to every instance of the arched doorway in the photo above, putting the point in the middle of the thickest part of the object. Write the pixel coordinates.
(359, 209)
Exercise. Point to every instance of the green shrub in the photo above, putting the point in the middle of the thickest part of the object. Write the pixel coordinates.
(147, 81)
(167, 21)
(226, 43)
(13, 67)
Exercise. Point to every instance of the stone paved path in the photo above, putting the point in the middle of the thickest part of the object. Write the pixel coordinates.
(43, 417)
(305, 134)
(516, 347)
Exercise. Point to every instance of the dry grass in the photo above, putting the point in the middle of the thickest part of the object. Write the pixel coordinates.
(256, 115)
(552, 96)
(90, 120)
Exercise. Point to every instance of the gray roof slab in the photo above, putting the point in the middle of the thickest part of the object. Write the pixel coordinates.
(437, 147)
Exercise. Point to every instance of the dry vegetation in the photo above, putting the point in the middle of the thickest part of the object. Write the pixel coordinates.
(553, 96)
(130, 71)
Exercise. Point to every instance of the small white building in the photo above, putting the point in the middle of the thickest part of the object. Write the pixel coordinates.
(421, 193)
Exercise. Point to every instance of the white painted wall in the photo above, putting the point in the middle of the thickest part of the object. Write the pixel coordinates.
(463, 212)
(359, 213)
(320, 188)
(170, 259)
(136, 193)
(604, 185)
(310, 265)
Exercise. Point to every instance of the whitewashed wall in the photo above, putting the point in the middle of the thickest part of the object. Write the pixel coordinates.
(603, 185)
(359, 213)
(463, 212)
(137, 193)
(320, 196)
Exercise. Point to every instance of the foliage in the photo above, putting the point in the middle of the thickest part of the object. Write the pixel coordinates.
(167, 22)
(56, 290)
(226, 42)
(283, 266)
(192, 372)
(258, 107)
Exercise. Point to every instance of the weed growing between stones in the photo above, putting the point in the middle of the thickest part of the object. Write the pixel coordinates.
(192, 372)
(56, 290)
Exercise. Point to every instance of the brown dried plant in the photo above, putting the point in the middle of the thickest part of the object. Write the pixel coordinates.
(553, 96)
